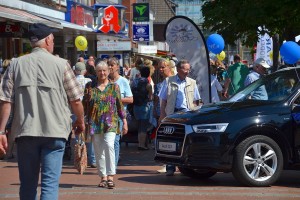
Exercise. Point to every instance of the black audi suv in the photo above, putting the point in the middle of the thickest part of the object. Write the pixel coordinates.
(254, 138)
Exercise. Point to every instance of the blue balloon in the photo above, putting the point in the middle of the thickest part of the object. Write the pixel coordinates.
(290, 52)
(215, 43)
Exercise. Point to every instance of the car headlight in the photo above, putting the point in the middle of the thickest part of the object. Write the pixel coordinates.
(208, 128)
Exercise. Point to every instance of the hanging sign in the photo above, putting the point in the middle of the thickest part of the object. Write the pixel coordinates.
(140, 32)
(141, 12)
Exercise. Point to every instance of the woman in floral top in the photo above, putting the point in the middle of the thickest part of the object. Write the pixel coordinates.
(103, 106)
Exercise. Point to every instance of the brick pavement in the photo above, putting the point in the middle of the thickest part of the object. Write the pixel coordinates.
(137, 179)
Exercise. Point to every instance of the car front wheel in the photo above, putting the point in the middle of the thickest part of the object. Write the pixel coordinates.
(258, 161)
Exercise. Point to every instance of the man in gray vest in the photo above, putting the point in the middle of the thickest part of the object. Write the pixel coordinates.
(40, 87)
(178, 93)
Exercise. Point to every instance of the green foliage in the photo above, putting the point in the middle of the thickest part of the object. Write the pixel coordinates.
(240, 19)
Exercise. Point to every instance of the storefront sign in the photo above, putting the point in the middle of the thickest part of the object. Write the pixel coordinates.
(141, 12)
(11, 30)
(113, 46)
(79, 14)
(110, 20)
(147, 49)
(140, 32)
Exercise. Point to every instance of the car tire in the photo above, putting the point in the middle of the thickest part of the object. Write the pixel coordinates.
(258, 161)
(195, 173)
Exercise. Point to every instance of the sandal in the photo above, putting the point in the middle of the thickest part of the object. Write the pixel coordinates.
(110, 184)
(103, 184)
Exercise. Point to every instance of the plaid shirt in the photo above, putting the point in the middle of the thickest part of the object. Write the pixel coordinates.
(71, 85)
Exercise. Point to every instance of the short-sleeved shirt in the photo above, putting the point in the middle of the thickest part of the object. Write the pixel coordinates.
(82, 81)
(181, 98)
(259, 93)
(124, 88)
(237, 74)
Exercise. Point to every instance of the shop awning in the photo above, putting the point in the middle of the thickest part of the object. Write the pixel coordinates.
(66, 24)
(23, 16)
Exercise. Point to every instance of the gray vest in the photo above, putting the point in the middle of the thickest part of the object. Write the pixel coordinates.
(41, 106)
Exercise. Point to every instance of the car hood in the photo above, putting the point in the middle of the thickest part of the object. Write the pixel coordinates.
(223, 112)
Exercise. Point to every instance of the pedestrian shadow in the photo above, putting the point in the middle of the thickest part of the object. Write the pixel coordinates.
(10, 166)
(289, 179)
(75, 172)
(180, 180)
(135, 171)
(69, 186)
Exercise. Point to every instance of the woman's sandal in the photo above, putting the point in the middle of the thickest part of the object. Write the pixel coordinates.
(110, 184)
(103, 184)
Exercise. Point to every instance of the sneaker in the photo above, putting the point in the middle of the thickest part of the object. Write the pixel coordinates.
(162, 170)
(93, 166)
(170, 173)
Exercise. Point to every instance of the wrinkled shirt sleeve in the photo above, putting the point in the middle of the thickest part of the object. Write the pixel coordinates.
(7, 85)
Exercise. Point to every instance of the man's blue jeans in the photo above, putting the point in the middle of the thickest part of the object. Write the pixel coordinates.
(117, 142)
(90, 153)
(117, 148)
(35, 154)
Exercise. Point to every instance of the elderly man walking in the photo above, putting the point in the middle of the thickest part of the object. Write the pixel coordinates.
(40, 87)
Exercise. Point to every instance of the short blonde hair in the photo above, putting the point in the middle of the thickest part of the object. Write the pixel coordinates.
(6, 63)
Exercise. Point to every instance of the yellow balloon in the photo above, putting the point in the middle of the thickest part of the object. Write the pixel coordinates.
(81, 43)
(221, 56)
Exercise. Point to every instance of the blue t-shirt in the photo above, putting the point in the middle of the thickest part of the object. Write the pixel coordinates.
(124, 88)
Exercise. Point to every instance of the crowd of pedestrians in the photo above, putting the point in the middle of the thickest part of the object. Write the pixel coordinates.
(36, 100)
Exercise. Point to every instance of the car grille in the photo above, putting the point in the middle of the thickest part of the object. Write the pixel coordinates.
(170, 134)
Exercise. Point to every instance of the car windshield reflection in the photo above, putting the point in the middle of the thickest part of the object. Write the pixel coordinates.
(274, 87)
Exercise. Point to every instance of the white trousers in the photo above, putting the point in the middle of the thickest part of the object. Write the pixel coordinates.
(105, 153)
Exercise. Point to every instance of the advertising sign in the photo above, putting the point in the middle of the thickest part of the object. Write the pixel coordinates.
(80, 15)
(113, 46)
(141, 12)
(147, 49)
(140, 32)
(187, 42)
(11, 30)
(110, 20)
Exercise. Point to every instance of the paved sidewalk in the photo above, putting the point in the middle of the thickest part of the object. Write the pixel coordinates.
(75, 186)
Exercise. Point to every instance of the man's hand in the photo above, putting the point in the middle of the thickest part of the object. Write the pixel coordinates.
(79, 127)
(3, 144)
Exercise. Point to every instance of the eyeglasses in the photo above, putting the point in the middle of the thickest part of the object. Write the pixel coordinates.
(185, 70)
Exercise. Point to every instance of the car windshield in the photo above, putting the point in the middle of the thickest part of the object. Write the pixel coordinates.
(274, 87)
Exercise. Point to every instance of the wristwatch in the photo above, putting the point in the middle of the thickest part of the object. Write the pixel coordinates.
(2, 132)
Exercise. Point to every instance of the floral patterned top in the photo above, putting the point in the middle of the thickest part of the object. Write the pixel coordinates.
(102, 108)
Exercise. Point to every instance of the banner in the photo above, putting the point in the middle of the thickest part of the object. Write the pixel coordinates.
(186, 41)
(264, 48)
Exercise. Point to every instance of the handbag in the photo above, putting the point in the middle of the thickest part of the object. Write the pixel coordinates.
(80, 154)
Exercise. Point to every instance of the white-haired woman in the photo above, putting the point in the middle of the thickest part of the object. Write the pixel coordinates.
(103, 106)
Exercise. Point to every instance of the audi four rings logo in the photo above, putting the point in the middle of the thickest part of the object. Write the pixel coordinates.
(168, 130)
